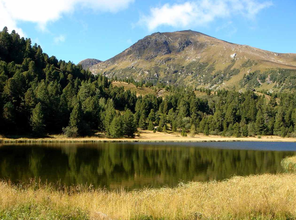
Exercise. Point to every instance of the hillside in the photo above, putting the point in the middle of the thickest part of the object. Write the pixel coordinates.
(40, 96)
(87, 63)
(195, 59)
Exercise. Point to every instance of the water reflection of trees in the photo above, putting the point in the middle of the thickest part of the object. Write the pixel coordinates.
(113, 165)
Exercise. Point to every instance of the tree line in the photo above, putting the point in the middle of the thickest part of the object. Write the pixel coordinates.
(41, 95)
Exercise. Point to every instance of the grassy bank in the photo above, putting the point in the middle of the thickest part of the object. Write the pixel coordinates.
(254, 197)
(145, 136)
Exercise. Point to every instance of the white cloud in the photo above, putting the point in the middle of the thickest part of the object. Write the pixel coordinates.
(201, 12)
(43, 11)
(59, 39)
(6, 20)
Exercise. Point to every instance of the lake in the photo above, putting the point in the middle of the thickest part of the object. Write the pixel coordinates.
(139, 165)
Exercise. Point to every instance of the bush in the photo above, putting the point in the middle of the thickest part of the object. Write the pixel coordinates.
(71, 131)
(183, 133)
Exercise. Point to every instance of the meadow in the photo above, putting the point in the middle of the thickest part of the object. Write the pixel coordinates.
(253, 197)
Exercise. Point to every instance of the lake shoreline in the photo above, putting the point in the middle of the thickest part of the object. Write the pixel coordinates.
(145, 136)
(238, 197)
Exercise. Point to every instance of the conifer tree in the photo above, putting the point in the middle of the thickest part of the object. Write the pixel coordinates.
(260, 123)
(192, 130)
(129, 127)
(206, 130)
(244, 130)
(279, 124)
(37, 121)
(151, 116)
(9, 117)
(115, 130)
(76, 116)
(142, 122)
(236, 130)
(150, 126)
(109, 115)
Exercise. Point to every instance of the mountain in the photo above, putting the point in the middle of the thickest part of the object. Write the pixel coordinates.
(87, 63)
(194, 59)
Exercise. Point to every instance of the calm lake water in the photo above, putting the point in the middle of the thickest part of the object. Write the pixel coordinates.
(138, 165)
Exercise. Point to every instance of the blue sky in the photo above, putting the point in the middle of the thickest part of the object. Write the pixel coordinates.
(78, 29)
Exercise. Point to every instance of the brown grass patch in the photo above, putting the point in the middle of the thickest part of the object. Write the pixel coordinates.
(139, 91)
(264, 197)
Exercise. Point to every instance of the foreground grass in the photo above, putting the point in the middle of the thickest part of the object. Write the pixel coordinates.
(254, 197)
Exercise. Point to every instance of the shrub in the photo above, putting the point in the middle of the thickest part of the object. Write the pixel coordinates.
(71, 131)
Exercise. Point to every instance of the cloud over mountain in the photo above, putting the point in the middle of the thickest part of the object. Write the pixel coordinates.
(198, 13)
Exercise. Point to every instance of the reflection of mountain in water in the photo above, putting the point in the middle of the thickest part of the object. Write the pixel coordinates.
(132, 166)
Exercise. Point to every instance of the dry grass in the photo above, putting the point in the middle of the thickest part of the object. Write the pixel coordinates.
(145, 136)
(254, 197)
(129, 86)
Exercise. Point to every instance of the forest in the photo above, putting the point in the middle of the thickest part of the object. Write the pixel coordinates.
(41, 95)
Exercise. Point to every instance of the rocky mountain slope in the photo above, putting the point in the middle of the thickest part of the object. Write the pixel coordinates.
(87, 63)
(195, 59)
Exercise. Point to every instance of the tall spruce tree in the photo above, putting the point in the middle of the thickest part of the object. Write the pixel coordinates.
(260, 123)
(115, 130)
(129, 127)
(37, 121)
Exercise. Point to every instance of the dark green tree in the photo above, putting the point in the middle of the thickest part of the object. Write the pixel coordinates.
(116, 127)
(129, 127)
(37, 121)
(260, 123)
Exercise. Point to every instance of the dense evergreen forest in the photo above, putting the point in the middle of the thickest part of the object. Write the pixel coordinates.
(41, 95)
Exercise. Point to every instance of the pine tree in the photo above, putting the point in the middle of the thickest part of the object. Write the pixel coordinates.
(164, 128)
(260, 123)
(284, 131)
(206, 130)
(174, 126)
(76, 116)
(192, 130)
(129, 127)
(150, 126)
(9, 117)
(151, 116)
(109, 115)
(115, 130)
(279, 124)
(37, 121)
(251, 129)
(142, 122)
(236, 130)
(244, 130)
(183, 133)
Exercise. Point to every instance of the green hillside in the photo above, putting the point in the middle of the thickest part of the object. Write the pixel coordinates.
(189, 58)
(40, 95)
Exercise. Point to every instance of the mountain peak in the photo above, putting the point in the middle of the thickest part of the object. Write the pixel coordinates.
(87, 63)
(193, 58)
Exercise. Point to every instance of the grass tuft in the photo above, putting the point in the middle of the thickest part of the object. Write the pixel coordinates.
(289, 164)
